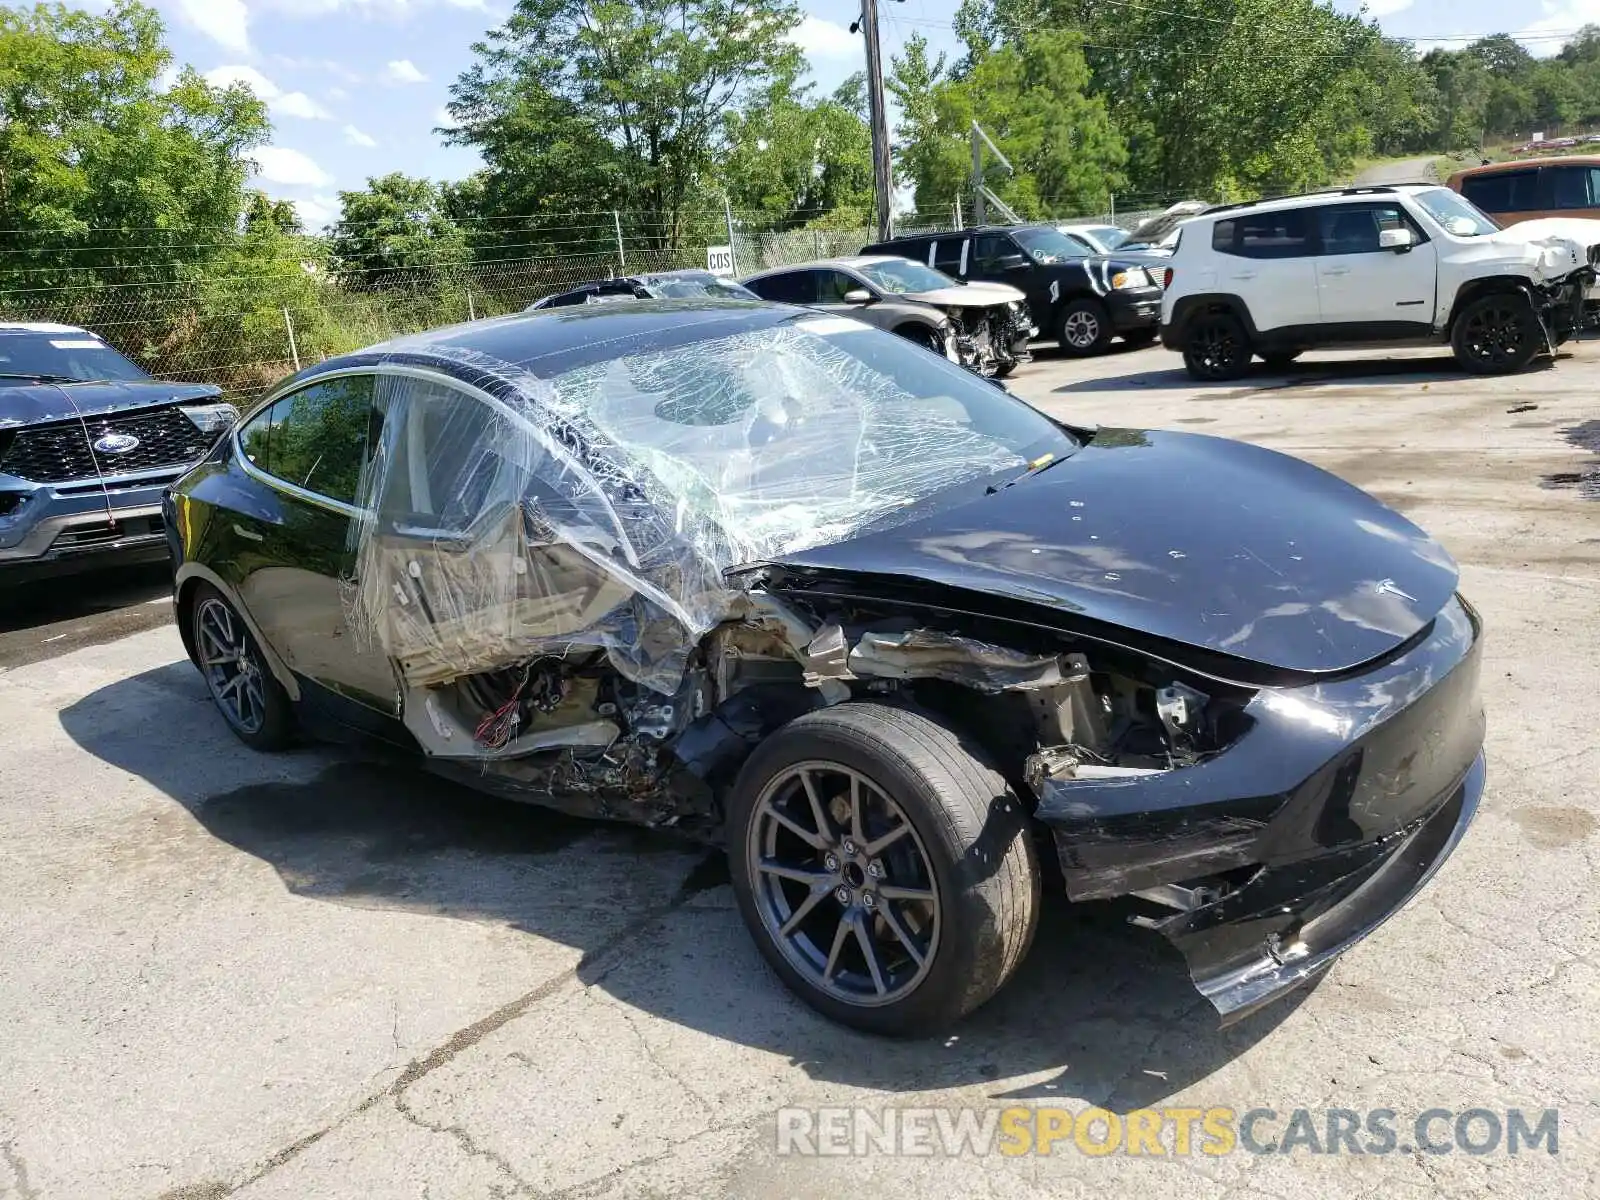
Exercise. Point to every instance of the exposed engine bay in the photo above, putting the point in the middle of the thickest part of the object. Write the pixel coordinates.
(579, 734)
(992, 340)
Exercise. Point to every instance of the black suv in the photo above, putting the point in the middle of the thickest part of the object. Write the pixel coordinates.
(1080, 300)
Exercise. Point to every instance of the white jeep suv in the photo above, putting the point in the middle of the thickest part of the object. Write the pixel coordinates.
(1414, 264)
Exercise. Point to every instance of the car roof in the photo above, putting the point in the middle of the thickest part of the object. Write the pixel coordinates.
(850, 262)
(548, 342)
(42, 327)
(1319, 199)
(1522, 164)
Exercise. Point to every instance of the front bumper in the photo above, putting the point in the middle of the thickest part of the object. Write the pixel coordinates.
(1134, 310)
(60, 531)
(1329, 812)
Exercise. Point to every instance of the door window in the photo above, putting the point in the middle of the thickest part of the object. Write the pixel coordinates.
(832, 286)
(1503, 191)
(990, 248)
(1575, 186)
(1281, 234)
(315, 438)
(1354, 228)
(792, 287)
(947, 255)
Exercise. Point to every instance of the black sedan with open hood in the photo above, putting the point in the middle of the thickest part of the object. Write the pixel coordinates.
(784, 582)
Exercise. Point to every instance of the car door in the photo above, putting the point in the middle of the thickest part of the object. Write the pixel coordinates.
(1265, 258)
(1362, 285)
(997, 258)
(308, 450)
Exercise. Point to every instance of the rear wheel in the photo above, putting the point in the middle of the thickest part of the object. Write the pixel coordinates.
(1497, 334)
(925, 336)
(242, 686)
(1084, 327)
(1216, 347)
(885, 871)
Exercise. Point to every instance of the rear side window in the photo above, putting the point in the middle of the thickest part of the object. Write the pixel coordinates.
(1282, 234)
(947, 255)
(791, 287)
(1574, 187)
(1503, 191)
(315, 438)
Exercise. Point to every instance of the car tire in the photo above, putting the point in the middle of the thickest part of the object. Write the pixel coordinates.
(925, 336)
(242, 686)
(1497, 334)
(934, 823)
(1216, 347)
(1277, 360)
(1084, 327)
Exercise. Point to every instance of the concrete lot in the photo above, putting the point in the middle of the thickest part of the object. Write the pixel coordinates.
(223, 974)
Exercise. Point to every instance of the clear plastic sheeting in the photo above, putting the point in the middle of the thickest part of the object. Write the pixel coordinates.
(599, 509)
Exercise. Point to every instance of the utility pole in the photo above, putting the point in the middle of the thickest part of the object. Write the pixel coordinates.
(878, 115)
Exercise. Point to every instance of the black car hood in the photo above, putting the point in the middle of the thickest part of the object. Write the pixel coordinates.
(30, 403)
(1200, 541)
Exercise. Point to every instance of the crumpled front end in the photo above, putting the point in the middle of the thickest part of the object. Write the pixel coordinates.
(1268, 859)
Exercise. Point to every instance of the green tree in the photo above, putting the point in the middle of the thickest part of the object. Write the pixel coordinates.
(919, 147)
(105, 177)
(1463, 83)
(262, 211)
(1030, 98)
(579, 105)
(396, 225)
(794, 161)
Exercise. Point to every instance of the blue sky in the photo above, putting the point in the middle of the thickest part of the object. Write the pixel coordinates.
(357, 86)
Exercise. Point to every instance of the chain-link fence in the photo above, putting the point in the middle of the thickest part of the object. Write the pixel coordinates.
(245, 323)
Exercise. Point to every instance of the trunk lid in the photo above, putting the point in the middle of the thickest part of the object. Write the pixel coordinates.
(1214, 544)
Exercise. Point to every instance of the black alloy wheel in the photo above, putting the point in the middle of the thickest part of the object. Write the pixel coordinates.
(1497, 334)
(1216, 347)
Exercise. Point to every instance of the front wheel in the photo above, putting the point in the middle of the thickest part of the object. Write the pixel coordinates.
(1216, 347)
(242, 686)
(1497, 334)
(886, 873)
(1084, 327)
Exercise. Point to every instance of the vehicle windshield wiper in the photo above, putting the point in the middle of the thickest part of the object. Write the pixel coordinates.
(1037, 467)
(42, 377)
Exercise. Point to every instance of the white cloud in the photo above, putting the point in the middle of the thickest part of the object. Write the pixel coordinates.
(403, 70)
(356, 138)
(818, 38)
(227, 76)
(298, 104)
(316, 210)
(224, 21)
(443, 120)
(168, 77)
(338, 93)
(279, 164)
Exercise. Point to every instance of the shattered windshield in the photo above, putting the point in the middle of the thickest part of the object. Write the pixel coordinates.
(687, 287)
(796, 435)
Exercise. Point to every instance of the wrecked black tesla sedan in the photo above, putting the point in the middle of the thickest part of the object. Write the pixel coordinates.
(779, 580)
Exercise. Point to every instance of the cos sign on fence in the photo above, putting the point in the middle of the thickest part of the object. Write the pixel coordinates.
(719, 260)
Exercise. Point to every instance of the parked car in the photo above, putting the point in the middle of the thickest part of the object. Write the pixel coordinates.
(1080, 301)
(983, 326)
(657, 285)
(1414, 264)
(1096, 239)
(791, 585)
(1530, 188)
(87, 443)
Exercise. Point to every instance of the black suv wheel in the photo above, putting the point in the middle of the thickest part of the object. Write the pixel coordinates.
(1216, 346)
(1497, 334)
